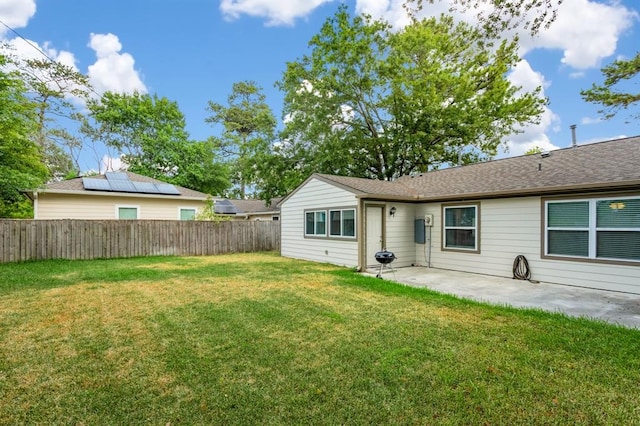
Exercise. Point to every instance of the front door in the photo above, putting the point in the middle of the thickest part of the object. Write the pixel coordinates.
(374, 234)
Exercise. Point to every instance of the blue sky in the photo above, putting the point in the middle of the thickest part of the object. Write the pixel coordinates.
(193, 51)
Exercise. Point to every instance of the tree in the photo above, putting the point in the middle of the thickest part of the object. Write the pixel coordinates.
(609, 94)
(373, 103)
(21, 165)
(150, 133)
(496, 16)
(57, 90)
(248, 130)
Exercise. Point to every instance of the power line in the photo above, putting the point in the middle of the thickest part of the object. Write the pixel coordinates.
(28, 42)
(53, 61)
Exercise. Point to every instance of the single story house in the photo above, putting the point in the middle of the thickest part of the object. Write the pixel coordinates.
(573, 213)
(116, 195)
(249, 209)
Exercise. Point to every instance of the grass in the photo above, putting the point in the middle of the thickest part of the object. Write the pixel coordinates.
(259, 339)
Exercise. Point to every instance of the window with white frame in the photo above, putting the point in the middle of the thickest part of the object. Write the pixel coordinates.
(460, 227)
(316, 223)
(595, 228)
(126, 212)
(342, 223)
(187, 214)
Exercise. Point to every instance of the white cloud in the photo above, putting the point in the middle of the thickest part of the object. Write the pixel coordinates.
(586, 31)
(16, 14)
(113, 71)
(534, 135)
(391, 11)
(589, 120)
(283, 12)
(112, 164)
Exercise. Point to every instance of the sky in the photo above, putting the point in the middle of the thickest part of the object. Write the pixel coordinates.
(192, 52)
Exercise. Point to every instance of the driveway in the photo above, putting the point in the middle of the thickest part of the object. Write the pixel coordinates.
(617, 308)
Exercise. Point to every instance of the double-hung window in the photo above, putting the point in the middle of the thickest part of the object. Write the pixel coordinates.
(596, 228)
(342, 223)
(460, 227)
(316, 223)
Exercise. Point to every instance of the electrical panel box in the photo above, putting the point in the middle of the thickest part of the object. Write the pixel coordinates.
(419, 232)
(428, 220)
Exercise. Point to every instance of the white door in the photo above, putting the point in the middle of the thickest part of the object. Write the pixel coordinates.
(374, 234)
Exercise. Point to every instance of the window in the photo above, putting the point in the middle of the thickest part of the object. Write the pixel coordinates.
(334, 223)
(604, 228)
(127, 212)
(342, 223)
(460, 227)
(316, 223)
(187, 214)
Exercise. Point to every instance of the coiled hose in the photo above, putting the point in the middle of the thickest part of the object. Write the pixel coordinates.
(521, 269)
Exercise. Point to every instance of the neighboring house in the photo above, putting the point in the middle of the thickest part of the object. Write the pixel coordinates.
(116, 195)
(249, 209)
(573, 213)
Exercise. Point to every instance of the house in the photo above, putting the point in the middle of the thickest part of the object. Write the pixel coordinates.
(249, 209)
(573, 213)
(116, 195)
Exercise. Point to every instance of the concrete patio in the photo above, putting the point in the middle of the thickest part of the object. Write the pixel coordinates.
(617, 308)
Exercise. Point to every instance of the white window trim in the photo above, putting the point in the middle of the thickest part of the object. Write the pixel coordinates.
(592, 230)
(475, 248)
(127, 206)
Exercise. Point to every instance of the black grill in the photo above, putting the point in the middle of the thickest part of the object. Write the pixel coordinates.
(384, 258)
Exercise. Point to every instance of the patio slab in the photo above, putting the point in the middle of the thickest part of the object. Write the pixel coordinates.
(617, 308)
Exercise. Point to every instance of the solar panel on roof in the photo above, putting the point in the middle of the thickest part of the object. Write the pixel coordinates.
(225, 206)
(167, 189)
(116, 176)
(120, 182)
(122, 186)
(145, 187)
(96, 184)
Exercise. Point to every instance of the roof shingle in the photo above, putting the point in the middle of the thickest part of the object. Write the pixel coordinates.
(602, 165)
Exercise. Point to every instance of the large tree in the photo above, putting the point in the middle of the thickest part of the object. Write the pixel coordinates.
(58, 91)
(21, 165)
(248, 127)
(150, 134)
(612, 94)
(370, 102)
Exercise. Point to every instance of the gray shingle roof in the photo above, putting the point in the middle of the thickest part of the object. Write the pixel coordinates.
(369, 186)
(586, 167)
(246, 206)
(75, 184)
(603, 165)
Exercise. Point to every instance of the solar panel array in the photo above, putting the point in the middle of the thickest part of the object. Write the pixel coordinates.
(225, 206)
(120, 182)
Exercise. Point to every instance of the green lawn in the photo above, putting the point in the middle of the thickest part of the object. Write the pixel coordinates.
(258, 339)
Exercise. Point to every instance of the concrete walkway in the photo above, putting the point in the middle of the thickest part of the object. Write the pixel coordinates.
(617, 308)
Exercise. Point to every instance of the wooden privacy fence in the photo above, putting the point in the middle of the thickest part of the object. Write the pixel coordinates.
(22, 240)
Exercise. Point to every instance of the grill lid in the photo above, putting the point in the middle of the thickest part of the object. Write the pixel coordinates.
(385, 256)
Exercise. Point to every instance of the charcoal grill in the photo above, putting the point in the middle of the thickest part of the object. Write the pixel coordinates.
(384, 258)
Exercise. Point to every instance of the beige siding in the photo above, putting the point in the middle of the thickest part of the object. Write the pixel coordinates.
(510, 227)
(316, 195)
(399, 233)
(70, 206)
